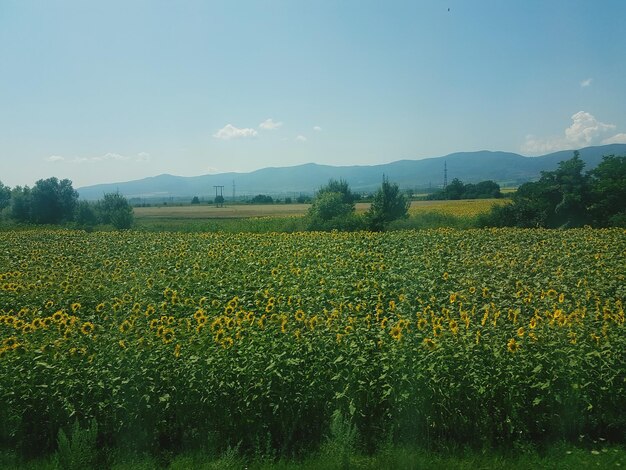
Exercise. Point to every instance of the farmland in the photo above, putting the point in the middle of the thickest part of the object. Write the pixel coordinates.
(459, 208)
(439, 337)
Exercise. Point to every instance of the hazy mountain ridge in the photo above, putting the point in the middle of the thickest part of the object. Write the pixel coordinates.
(503, 167)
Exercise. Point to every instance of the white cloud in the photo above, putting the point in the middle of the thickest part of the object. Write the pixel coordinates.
(107, 157)
(270, 124)
(231, 132)
(585, 131)
(586, 82)
(301, 138)
(616, 139)
(317, 128)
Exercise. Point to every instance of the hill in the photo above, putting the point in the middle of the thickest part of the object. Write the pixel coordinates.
(508, 169)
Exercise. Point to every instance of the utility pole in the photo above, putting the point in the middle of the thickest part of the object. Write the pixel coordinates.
(219, 202)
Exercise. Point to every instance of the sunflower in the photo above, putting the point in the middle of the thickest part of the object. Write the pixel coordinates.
(396, 333)
(299, 315)
(429, 344)
(57, 316)
(168, 335)
(512, 346)
(521, 332)
(87, 328)
(125, 326)
(454, 327)
(100, 307)
(219, 335)
(10, 342)
(422, 323)
(227, 343)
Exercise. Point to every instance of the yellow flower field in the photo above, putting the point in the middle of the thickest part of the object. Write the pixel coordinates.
(467, 336)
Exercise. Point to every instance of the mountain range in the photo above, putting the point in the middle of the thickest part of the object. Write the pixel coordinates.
(507, 169)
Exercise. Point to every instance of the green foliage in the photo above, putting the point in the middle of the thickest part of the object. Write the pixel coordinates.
(262, 199)
(458, 190)
(5, 196)
(195, 200)
(333, 209)
(568, 198)
(115, 209)
(21, 204)
(608, 192)
(86, 215)
(53, 201)
(219, 200)
(78, 451)
(389, 204)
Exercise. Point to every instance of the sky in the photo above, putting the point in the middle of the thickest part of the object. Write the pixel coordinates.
(112, 91)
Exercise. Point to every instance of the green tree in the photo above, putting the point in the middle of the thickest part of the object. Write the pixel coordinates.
(5, 196)
(86, 216)
(53, 201)
(333, 208)
(195, 200)
(21, 204)
(389, 204)
(115, 209)
(608, 192)
(455, 189)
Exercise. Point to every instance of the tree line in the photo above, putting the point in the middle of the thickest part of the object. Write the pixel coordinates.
(458, 190)
(54, 201)
(567, 197)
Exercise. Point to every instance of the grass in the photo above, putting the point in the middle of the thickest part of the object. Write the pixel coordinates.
(559, 456)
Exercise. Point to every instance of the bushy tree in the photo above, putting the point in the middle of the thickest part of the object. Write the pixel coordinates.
(389, 204)
(115, 209)
(566, 197)
(53, 201)
(86, 216)
(333, 208)
(5, 196)
(21, 204)
(608, 192)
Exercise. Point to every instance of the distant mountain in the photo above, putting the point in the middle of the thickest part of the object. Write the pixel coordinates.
(508, 169)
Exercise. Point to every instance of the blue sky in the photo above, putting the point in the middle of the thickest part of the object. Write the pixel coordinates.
(118, 90)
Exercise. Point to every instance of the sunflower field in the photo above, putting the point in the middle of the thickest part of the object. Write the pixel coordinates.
(172, 341)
